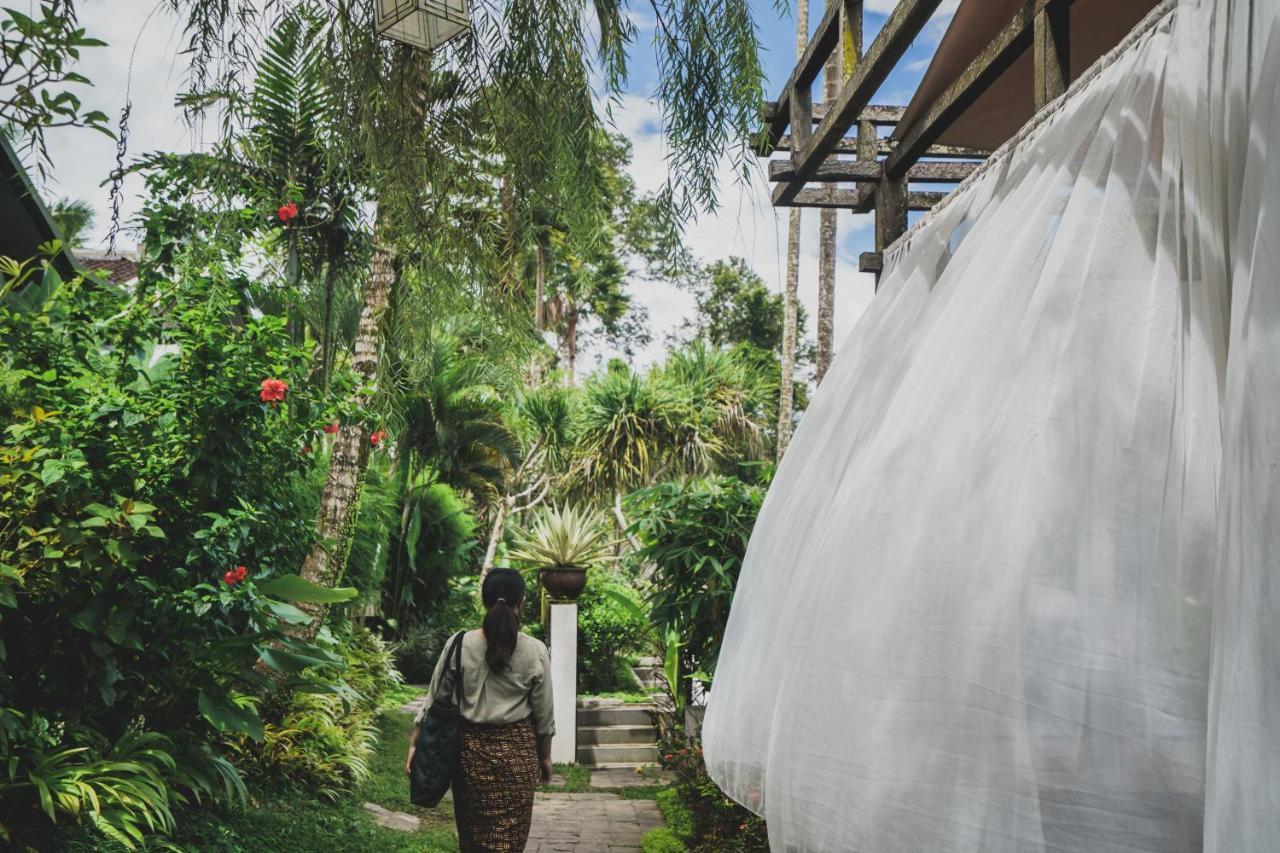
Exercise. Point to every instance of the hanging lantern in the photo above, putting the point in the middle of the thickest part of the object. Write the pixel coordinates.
(426, 24)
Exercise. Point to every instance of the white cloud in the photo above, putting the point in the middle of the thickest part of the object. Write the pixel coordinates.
(884, 7)
(746, 224)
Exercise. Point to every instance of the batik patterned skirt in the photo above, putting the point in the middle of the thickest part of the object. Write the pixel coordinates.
(493, 788)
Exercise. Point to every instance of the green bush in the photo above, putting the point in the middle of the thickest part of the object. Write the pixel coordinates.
(323, 742)
(417, 647)
(677, 815)
(696, 810)
(610, 633)
(695, 535)
(139, 467)
(435, 545)
(661, 840)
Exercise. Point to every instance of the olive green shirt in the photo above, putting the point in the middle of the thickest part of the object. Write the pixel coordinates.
(522, 689)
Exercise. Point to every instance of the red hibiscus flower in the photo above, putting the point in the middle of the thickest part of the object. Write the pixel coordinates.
(377, 437)
(273, 390)
(241, 571)
(287, 211)
(330, 428)
(230, 578)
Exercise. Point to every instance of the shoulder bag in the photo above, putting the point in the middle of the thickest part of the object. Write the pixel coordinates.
(436, 752)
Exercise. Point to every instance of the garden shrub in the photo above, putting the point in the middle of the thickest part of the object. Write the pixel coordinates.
(677, 815)
(610, 634)
(661, 840)
(417, 647)
(132, 487)
(696, 809)
(695, 534)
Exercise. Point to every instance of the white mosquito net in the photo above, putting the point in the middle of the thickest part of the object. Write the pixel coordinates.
(1016, 586)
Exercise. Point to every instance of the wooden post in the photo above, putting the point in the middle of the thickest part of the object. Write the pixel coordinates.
(891, 213)
(801, 118)
(1051, 39)
(851, 42)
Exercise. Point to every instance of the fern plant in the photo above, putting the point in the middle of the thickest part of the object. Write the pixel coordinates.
(126, 791)
(566, 537)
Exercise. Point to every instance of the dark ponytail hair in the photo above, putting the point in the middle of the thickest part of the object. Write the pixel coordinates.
(502, 593)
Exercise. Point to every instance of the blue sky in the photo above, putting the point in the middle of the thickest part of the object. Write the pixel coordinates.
(744, 225)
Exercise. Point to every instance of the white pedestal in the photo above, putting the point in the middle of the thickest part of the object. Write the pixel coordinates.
(564, 681)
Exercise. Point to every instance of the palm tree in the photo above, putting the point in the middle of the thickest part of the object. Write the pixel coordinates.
(74, 218)
(455, 418)
(703, 409)
(544, 420)
(724, 401)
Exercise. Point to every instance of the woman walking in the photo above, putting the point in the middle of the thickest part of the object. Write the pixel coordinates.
(507, 722)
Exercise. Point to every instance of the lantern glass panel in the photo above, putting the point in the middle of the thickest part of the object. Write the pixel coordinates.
(426, 24)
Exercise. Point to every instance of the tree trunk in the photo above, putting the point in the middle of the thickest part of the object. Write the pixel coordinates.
(351, 445)
(540, 284)
(328, 350)
(790, 307)
(827, 239)
(790, 312)
(495, 535)
(571, 343)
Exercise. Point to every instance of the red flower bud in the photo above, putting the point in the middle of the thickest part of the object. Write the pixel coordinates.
(330, 428)
(377, 437)
(287, 211)
(241, 571)
(230, 578)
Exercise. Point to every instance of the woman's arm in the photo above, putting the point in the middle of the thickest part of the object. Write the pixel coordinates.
(544, 759)
(413, 747)
(544, 717)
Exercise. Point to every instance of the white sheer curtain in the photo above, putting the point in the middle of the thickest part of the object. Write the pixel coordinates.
(1017, 584)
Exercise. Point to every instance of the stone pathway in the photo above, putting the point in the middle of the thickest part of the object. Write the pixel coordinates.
(571, 823)
(590, 823)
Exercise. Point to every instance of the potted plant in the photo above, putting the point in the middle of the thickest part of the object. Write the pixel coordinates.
(563, 544)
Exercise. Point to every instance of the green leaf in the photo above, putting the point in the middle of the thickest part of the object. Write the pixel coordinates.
(226, 716)
(291, 663)
(288, 613)
(295, 588)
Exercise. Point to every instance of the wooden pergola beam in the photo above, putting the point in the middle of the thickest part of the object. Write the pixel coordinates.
(831, 198)
(832, 171)
(870, 171)
(878, 114)
(903, 25)
(861, 200)
(1006, 47)
(849, 145)
(824, 40)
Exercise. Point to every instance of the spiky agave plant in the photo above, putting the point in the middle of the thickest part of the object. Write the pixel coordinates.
(568, 537)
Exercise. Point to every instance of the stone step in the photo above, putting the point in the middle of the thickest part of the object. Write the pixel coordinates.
(648, 676)
(617, 754)
(615, 715)
(592, 735)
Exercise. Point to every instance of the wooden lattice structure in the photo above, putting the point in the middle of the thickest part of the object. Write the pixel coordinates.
(839, 144)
